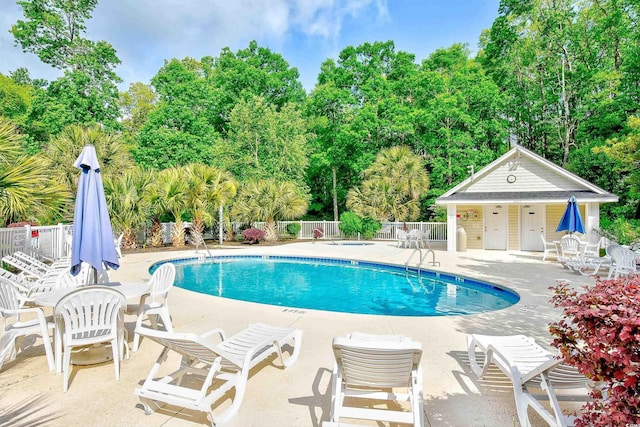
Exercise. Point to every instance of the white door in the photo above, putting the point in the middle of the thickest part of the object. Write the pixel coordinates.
(496, 222)
(532, 221)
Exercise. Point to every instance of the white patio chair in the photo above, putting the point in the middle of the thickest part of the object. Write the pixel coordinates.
(86, 316)
(550, 249)
(415, 238)
(570, 249)
(623, 262)
(221, 366)
(154, 304)
(380, 367)
(117, 242)
(529, 367)
(19, 322)
(402, 238)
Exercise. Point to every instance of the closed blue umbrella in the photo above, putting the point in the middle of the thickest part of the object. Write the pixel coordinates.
(92, 234)
(571, 220)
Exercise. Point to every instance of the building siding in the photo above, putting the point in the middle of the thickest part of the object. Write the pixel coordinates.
(472, 224)
(529, 176)
(514, 228)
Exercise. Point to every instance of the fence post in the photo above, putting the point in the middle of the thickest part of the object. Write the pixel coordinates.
(27, 240)
(61, 241)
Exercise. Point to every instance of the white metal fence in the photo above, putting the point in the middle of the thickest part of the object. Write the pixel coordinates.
(436, 231)
(43, 241)
(49, 241)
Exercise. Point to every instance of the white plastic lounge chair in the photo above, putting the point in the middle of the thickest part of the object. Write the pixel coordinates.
(590, 264)
(370, 367)
(154, 303)
(18, 281)
(62, 279)
(529, 367)
(570, 250)
(225, 364)
(32, 268)
(550, 249)
(29, 271)
(20, 322)
(85, 316)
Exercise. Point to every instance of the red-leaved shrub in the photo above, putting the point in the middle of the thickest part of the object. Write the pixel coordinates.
(599, 333)
(318, 233)
(253, 235)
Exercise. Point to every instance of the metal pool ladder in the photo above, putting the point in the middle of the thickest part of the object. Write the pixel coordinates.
(419, 265)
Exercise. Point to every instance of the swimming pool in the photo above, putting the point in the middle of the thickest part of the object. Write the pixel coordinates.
(339, 285)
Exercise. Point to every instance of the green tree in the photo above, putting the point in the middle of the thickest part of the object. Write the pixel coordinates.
(87, 93)
(457, 117)
(269, 201)
(362, 103)
(27, 191)
(15, 99)
(625, 152)
(208, 189)
(135, 106)
(179, 130)
(392, 186)
(265, 143)
(254, 71)
(127, 202)
(62, 152)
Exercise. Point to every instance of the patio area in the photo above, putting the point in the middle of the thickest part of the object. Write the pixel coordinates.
(301, 395)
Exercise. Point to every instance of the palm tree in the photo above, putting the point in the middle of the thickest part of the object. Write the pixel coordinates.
(378, 199)
(391, 186)
(270, 201)
(169, 193)
(128, 205)
(153, 197)
(63, 150)
(208, 188)
(26, 189)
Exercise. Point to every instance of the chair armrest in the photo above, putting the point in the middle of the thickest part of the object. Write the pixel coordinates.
(214, 331)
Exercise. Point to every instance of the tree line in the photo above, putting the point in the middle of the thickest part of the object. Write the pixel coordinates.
(380, 134)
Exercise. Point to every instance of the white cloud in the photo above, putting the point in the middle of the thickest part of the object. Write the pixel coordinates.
(147, 32)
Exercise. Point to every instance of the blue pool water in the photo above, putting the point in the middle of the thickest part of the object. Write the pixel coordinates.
(340, 285)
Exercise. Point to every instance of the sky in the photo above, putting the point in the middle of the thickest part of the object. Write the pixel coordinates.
(146, 33)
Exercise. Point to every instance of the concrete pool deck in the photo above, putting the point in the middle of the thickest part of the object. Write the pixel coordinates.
(300, 395)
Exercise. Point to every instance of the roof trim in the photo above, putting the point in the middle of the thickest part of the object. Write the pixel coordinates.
(527, 197)
(608, 197)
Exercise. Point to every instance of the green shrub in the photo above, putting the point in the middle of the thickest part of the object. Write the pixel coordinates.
(294, 229)
(350, 224)
(369, 228)
(621, 230)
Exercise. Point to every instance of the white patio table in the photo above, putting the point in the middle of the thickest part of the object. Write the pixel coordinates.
(93, 354)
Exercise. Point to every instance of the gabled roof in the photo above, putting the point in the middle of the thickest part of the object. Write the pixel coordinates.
(541, 181)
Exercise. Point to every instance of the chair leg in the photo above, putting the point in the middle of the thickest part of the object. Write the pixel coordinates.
(166, 319)
(7, 346)
(116, 356)
(48, 350)
(66, 367)
(136, 336)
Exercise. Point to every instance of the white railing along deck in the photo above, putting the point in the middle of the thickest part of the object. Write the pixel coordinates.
(48, 242)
